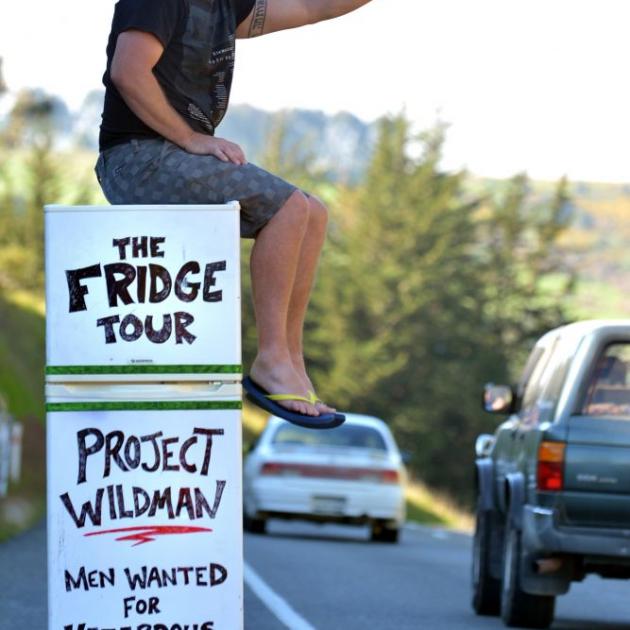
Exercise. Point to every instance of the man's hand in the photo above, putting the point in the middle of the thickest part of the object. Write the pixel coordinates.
(269, 16)
(226, 151)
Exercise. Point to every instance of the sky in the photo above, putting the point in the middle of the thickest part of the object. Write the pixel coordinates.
(526, 85)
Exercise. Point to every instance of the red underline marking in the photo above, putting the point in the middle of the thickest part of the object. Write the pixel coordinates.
(147, 534)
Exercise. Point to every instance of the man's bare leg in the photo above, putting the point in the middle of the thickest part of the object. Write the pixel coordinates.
(275, 264)
(307, 267)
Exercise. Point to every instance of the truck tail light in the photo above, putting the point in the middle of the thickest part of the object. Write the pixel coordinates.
(551, 466)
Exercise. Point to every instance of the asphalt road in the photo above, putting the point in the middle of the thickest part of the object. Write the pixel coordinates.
(330, 578)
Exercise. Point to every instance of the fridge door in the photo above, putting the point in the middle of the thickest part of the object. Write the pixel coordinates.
(143, 292)
(144, 506)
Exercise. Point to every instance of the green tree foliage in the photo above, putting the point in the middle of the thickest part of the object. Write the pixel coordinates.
(405, 296)
(30, 130)
(31, 120)
(527, 277)
(407, 322)
(425, 293)
(36, 179)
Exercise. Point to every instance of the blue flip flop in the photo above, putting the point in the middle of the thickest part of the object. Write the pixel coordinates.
(263, 399)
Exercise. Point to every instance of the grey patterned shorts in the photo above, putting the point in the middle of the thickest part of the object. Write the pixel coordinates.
(156, 171)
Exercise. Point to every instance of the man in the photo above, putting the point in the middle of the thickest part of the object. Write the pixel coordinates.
(168, 77)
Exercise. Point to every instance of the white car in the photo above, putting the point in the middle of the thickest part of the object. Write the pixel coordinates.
(352, 474)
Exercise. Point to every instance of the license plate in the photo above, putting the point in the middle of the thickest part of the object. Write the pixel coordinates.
(328, 505)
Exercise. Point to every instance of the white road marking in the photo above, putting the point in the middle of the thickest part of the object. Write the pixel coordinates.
(440, 534)
(276, 604)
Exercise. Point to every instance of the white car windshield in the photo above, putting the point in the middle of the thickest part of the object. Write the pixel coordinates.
(345, 436)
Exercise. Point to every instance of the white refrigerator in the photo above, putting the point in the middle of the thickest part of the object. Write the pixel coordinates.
(143, 402)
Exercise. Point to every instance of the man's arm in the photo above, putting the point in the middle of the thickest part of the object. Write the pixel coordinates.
(131, 71)
(269, 16)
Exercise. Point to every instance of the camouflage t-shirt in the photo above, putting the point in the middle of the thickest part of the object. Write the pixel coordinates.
(195, 70)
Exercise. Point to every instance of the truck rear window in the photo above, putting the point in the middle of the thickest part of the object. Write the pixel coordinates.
(609, 388)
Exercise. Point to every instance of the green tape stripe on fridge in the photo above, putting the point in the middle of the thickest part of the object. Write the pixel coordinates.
(158, 405)
(65, 370)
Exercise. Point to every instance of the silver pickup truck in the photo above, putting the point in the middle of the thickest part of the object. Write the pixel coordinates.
(553, 482)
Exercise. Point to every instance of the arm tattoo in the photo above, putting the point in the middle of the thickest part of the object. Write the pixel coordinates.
(258, 19)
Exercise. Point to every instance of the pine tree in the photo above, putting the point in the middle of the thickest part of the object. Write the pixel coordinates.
(528, 279)
(29, 140)
(425, 293)
(407, 324)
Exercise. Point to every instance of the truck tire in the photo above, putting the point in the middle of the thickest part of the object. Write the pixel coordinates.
(520, 609)
(486, 595)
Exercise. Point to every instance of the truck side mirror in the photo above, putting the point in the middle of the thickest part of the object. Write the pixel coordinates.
(498, 398)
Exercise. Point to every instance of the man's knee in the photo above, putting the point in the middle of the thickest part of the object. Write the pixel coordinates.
(298, 205)
(318, 212)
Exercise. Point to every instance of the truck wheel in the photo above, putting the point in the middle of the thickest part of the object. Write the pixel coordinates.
(486, 598)
(520, 609)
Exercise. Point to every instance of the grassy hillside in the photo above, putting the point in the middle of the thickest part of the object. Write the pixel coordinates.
(595, 244)
(599, 239)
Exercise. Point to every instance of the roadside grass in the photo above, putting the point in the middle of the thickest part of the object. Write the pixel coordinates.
(22, 341)
(430, 507)
(424, 505)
